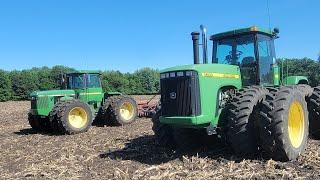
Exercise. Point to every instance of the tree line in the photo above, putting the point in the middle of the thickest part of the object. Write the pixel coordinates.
(17, 85)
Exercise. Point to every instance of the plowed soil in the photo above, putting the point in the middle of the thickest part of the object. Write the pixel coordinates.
(127, 152)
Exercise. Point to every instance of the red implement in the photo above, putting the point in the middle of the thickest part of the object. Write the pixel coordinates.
(148, 108)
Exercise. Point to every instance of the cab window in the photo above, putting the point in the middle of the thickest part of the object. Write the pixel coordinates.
(93, 81)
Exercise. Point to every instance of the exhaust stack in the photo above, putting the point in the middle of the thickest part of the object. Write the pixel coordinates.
(195, 39)
(204, 44)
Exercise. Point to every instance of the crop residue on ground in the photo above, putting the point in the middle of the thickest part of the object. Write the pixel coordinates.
(127, 152)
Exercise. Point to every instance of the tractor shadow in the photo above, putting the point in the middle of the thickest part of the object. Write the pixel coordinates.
(144, 150)
(27, 131)
(30, 131)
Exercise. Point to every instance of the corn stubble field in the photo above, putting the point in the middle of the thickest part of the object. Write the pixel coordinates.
(127, 152)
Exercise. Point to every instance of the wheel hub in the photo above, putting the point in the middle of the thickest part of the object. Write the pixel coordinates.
(78, 117)
(296, 124)
(126, 111)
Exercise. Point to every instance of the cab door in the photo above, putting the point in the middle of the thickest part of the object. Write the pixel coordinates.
(94, 92)
(77, 83)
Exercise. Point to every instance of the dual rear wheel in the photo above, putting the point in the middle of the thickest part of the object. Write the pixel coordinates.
(284, 124)
(74, 116)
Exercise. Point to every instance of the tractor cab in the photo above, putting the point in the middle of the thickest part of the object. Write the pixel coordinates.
(86, 84)
(252, 49)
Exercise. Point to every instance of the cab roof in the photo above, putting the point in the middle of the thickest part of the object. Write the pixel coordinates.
(86, 72)
(252, 29)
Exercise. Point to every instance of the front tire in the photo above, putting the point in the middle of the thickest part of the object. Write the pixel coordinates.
(38, 124)
(242, 117)
(163, 132)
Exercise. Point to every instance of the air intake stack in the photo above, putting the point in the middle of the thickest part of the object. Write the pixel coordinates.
(195, 39)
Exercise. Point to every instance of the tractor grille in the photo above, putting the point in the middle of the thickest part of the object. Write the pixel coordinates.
(39, 103)
(180, 96)
(33, 104)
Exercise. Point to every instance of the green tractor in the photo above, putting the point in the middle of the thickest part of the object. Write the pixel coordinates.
(81, 99)
(242, 96)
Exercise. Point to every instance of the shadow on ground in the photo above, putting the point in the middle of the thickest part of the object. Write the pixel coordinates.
(30, 131)
(144, 150)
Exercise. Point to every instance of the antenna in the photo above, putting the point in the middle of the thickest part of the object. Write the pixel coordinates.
(268, 9)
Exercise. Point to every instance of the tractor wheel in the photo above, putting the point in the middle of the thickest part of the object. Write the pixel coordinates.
(314, 113)
(71, 117)
(284, 124)
(305, 89)
(34, 122)
(242, 118)
(163, 132)
(39, 124)
(175, 138)
(120, 110)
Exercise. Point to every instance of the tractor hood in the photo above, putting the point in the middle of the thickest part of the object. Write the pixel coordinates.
(212, 70)
(53, 93)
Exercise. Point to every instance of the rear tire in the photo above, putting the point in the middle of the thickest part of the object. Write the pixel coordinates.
(119, 110)
(314, 113)
(242, 118)
(71, 117)
(284, 124)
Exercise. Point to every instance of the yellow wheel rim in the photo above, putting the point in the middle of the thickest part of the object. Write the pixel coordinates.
(127, 111)
(77, 117)
(296, 124)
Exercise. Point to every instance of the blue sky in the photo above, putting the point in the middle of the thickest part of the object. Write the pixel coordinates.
(127, 35)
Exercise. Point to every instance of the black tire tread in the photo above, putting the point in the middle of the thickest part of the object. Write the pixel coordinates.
(314, 113)
(271, 123)
(241, 133)
(56, 118)
(111, 107)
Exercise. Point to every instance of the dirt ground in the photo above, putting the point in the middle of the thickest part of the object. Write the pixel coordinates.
(127, 152)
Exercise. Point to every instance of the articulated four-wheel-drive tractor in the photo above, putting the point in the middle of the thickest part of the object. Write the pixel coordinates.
(242, 96)
(72, 109)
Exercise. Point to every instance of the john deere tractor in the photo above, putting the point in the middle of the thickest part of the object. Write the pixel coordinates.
(72, 109)
(242, 96)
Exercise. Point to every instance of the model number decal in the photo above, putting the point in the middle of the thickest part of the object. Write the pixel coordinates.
(220, 75)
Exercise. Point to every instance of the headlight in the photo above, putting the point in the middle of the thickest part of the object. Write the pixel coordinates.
(172, 74)
(189, 73)
(33, 98)
(162, 76)
(180, 74)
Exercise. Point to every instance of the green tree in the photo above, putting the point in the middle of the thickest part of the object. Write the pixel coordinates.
(115, 81)
(46, 81)
(5, 86)
(23, 83)
(56, 72)
(148, 80)
(303, 67)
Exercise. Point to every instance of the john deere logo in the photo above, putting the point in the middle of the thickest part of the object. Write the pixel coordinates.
(173, 95)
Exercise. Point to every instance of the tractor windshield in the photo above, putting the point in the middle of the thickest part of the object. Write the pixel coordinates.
(238, 50)
(80, 81)
(75, 81)
(245, 52)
